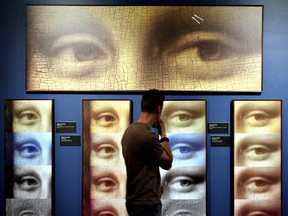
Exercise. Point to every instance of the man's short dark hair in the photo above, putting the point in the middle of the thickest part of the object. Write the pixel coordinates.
(151, 99)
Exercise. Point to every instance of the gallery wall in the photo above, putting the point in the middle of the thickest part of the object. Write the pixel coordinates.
(68, 106)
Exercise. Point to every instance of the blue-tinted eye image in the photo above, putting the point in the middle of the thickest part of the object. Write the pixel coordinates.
(29, 148)
(188, 149)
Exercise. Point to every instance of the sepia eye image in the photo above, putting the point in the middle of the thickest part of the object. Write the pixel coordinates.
(29, 148)
(259, 183)
(261, 150)
(109, 116)
(257, 207)
(183, 207)
(28, 207)
(32, 182)
(184, 183)
(32, 115)
(106, 48)
(257, 116)
(110, 207)
(184, 116)
(104, 171)
(106, 149)
(107, 182)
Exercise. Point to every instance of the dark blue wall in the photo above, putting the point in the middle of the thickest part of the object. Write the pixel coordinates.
(68, 160)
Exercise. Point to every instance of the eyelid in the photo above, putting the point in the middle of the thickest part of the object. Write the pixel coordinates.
(21, 147)
(255, 112)
(246, 176)
(27, 212)
(67, 40)
(271, 141)
(256, 178)
(193, 38)
(103, 180)
(22, 181)
(100, 119)
(25, 111)
(192, 179)
(248, 147)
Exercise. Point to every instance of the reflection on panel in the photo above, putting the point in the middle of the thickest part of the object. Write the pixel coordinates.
(257, 157)
(104, 172)
(29, 157)
(184, 185)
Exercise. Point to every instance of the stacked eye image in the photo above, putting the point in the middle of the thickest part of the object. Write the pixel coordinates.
(28, 155)
(184, 185)
(103, 167)
(257, 157)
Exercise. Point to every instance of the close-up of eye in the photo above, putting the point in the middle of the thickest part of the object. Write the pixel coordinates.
(180, 118)
(105, 150)
(257, 118)
(27, 117)
(183, 150)
(105, 119)
(254, 150)
(79, 55)
(213, 51)
(27, 183)
(73, 49)
(257, 152)
(184, 184)
(205, 46)
(81, 52)
(258, 184)
(105, 184)
(28, 150)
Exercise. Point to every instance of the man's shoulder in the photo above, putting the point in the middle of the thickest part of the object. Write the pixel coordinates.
(138, 125)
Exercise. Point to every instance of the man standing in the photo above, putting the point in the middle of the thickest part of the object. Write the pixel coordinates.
(144, 153)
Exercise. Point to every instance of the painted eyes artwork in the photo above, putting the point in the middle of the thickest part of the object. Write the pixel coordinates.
(104, 172)
(184, 185)
(28, 145)
(257, 157)
(132, 48)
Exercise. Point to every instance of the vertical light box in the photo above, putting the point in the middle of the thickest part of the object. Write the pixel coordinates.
(257, 157)
(103, 169)
(185, 184)
(29, 157)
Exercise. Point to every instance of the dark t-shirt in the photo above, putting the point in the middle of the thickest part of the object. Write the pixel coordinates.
(141, 150)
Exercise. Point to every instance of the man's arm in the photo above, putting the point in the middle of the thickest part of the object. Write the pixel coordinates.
(166, 158)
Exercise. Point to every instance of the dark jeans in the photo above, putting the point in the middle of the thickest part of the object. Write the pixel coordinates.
(139, 210)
